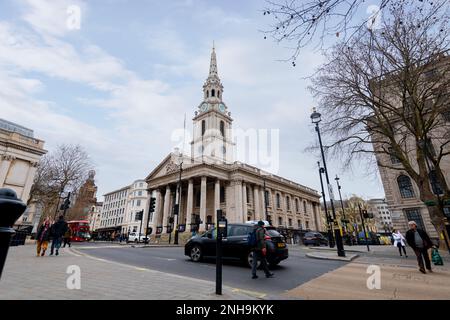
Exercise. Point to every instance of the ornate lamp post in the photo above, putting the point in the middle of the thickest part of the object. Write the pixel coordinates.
(316, 118)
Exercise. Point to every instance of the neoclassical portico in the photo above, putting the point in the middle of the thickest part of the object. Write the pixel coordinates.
(212, 180)
(235, 188)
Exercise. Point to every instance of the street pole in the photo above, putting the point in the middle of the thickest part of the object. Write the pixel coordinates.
(343, 210)
(57, 205)
(330, 234)
(66, 207)
(218, 254)
(141, 213)
(337, 232)
(364, 227)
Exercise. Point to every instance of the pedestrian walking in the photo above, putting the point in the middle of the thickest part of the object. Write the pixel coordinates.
(42, 237)
(59, 228)
(420, 242)
(399, 242)
(258, 239)
(67, 237)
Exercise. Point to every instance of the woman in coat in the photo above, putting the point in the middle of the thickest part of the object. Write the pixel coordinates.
(399, 242)
(42, 237)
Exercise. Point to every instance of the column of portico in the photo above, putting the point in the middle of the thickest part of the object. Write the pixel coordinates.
(165, 221)
(238, 201)
(262, 205)
(203, 204)
(4, 167)
(244, 202)
(216, 199)
(29, 182)
(256, 203)
(190, 202)
(158, 206)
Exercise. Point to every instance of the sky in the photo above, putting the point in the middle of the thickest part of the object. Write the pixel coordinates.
(118, 77)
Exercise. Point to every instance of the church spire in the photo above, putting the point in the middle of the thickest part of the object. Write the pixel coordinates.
(213, 64)
(212, 89)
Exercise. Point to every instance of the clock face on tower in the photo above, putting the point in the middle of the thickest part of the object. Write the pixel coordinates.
(222, 108)
(204, 107)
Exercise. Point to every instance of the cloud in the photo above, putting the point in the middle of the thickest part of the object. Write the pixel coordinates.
(50, 17)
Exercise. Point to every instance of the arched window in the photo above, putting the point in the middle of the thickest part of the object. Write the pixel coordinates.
(218, 93)
(288, 203)
(297, 208)
(280, 221)
(222, 128)
(278, 201)
(213, 93)
(435, 185)
(207, 93)
(304, 206)
(203, 127)
(405, 186)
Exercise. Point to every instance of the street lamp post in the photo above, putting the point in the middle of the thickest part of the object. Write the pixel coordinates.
(343, 210)
(316, 118)
(330, 234)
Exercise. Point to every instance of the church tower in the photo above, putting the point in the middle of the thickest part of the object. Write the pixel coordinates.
(212, 142)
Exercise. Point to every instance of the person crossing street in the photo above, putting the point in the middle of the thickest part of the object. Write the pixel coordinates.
(260, 250)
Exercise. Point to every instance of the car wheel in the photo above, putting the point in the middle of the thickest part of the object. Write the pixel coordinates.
(135, 240)
(196, 253)
(250, 260)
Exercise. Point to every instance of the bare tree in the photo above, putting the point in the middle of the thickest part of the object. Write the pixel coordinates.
(63, 170)
(385, 94)
(302, 22)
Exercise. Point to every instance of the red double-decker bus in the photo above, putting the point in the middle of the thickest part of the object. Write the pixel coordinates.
(80, 230)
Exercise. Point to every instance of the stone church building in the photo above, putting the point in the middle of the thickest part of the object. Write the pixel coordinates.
(212, 180)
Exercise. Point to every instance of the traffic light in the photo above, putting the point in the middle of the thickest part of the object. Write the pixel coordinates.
(152, 204)
(65, 205)
(139, 215)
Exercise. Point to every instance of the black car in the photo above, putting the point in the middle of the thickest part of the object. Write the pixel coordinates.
(314, 238)
(235, 246)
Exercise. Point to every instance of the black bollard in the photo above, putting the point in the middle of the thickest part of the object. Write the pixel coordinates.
(11, 208)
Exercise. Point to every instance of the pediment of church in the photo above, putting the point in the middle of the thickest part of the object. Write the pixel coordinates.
(167, 166)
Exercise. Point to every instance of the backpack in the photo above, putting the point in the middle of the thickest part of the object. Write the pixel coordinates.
(251, 239)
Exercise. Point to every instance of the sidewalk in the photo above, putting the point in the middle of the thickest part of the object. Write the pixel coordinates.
(26, 276)
(397, 283)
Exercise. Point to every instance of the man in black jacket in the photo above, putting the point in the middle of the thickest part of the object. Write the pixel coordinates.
(59, 228)
(420, 242)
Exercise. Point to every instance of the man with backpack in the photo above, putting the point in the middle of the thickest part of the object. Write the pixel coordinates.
(257, 242)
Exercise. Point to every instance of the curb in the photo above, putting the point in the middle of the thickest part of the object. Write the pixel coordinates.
(346, 259)
(334, 249)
